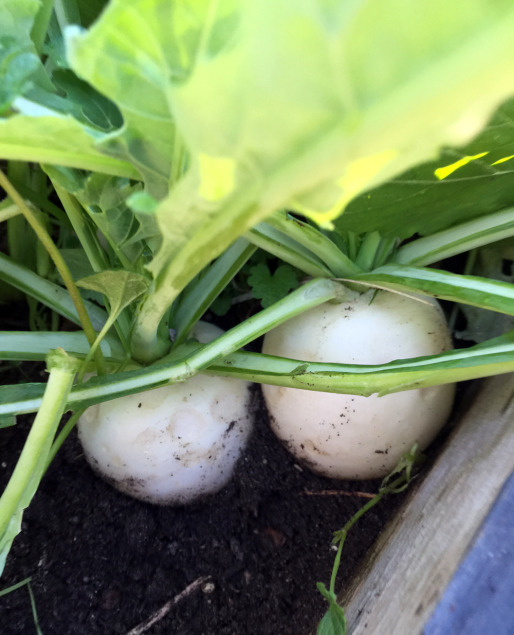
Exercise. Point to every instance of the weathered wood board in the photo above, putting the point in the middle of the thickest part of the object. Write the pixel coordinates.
(479, 598)
(415, 558)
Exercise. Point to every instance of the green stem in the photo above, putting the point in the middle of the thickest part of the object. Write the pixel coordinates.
(48, 293)
(340, 536)
(59, 263)
(459, 239)
(66, 13)
(8, 211)
(316, 242)
(306, 297)
(62, 436)
(275, 242)
(95, 255)
(30, 466)
(200, 294)
(75, 215)
(368, 251)
(484, 360)
(150, 340)
(41, 22)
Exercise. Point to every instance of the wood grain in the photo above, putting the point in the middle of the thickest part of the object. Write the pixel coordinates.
(408, 569)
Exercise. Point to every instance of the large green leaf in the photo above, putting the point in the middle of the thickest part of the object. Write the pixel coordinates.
(19, 62)
(134, 55)
(461, 184)
(48, 137)
(310, 104)
(349, 93)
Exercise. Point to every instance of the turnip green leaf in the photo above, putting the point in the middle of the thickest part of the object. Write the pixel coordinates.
(121, 288)
(48, 137)
(418, 201)
(270, 287)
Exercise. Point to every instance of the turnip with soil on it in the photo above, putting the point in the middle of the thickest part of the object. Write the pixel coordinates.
(350, 436)
(174, 444)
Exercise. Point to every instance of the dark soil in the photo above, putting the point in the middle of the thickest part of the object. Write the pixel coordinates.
(101, 563)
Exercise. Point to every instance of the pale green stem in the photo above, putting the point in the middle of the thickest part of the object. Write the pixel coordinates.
(41, 23)
(9, 212)
(31, 462)
(311, 238)
(62, 436)
(59, 263)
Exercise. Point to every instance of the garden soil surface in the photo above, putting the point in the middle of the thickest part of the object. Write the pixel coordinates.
(101, 563)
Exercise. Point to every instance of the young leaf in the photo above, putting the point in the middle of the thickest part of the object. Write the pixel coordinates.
(271, 287)
(333, 622)
(121, 288)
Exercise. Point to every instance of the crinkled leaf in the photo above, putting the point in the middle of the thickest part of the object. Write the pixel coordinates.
(105, 200)
(461, 184)
(121, 288)
(16, 69)
(271, 287)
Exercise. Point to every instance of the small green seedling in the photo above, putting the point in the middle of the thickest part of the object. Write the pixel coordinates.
(334, 621)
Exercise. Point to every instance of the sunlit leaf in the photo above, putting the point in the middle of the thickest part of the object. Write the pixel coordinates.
(59, 140)
(461, 184)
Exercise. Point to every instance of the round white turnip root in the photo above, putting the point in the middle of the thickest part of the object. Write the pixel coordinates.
(349, 436)
(174, 444)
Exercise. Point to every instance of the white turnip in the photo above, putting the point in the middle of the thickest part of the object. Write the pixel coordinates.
(174, 444)
(349, 436)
